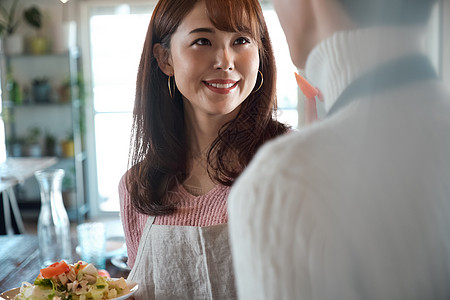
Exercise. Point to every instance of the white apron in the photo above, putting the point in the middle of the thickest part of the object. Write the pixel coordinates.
(183, 262)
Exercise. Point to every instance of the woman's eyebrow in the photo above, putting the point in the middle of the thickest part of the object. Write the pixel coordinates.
(202, 29)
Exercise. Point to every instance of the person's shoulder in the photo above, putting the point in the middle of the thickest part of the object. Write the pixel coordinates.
(123, 181)
(124, 195)
(294, 145)
(286, 156)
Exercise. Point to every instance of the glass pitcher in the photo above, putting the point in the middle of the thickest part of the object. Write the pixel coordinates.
(53, 223)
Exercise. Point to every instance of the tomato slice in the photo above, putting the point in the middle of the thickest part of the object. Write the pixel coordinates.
(55, 269)
(104, 273)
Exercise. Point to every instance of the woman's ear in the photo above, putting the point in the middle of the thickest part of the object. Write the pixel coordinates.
(162, 56)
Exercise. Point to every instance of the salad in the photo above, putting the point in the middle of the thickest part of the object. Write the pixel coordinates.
(80, 281)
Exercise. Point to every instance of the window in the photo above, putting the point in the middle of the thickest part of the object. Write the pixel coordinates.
(286, 85)
(116, 35)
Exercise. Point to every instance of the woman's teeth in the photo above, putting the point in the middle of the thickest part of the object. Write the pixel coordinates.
(221, 85)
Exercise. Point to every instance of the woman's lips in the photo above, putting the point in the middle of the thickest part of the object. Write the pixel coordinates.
(221, 86)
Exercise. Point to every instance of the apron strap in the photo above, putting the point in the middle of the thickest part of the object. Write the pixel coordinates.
(142, 244)
(148, 225)
(386, 76)
(151, 219)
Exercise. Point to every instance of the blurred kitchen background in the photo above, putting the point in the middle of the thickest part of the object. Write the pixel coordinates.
(68, 85)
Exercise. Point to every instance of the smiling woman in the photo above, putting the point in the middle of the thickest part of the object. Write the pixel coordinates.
(205, 102)
(110, 66)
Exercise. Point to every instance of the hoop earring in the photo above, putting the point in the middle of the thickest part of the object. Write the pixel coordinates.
(262, 81)
(169, 85)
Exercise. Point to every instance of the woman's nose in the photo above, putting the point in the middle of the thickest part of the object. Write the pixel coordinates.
(224, 59)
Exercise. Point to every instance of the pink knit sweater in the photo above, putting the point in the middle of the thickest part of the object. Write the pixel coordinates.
(205, 210)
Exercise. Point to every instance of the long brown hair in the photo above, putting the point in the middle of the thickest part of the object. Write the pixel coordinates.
(158, 147)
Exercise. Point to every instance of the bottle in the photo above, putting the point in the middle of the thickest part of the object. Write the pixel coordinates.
(53, 223)
(13, 88)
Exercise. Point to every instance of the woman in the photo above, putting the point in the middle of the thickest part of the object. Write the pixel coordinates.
(205, 101)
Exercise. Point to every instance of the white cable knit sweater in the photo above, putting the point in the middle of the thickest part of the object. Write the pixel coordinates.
(358, 205)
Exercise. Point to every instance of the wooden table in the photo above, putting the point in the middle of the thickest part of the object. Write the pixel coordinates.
(19, 261)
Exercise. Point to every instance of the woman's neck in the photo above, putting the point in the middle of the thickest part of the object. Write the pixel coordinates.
(201, 131)
(199, 135)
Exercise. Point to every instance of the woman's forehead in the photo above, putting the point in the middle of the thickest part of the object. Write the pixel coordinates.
(196, 18)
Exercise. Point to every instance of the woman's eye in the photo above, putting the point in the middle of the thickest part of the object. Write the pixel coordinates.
(242, 40)
(202, 42)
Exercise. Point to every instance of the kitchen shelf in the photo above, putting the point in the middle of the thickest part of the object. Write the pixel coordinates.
(55, 117)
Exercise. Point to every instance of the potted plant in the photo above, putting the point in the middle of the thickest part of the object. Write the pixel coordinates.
(38, 43)
(50, 144)
(13, 43)
(68, 189)
(32, 141)
(68, 146)
(15, 145)
(41, 90)
(64, 91)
